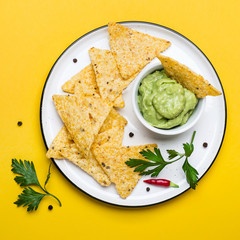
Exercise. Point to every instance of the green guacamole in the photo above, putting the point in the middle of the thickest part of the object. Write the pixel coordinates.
(163, 102)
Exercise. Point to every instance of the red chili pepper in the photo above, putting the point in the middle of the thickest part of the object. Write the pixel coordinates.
(161, 182)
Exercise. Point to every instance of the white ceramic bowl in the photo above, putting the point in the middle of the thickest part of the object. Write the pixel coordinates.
(154, 65)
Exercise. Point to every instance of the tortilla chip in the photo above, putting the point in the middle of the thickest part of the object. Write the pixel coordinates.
(113, 159)
(114, 118)
(84, 84)
(69, 86)
(132, 49)
(63, 139)
(75, 116)
(112, 131)
(111, 137)
(108, 78)
(83, 118)
(187, 78)
(119, 102)
(89, 165)
(86, 77)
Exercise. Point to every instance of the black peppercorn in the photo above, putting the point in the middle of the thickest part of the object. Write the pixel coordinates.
(131, 134)
(205, 144)
(19, 123)
(50, 207)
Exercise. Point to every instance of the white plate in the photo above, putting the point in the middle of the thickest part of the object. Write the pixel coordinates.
(210, 128)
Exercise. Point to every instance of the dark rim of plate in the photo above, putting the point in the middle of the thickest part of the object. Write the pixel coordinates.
(147, 23)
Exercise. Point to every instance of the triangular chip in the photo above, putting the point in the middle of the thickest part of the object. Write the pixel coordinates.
(187, 78)
(119, 102)
(83, 118)
(108, 78)
(63, 147)
(86, 77)
(113, 161)
(112, 131)
(132, 49)
(114, 119)
(89, 165)
(84, 84)
(63, 139)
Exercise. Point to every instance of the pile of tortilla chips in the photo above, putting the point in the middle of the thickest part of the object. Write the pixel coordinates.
(92, 134)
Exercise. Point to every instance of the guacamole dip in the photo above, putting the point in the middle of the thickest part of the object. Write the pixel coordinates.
(163, 102)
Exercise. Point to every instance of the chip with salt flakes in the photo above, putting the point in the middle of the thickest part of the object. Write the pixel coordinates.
(119, 102)
(132, 49)
(83, 118)
(114, 118)
(86, 76)
(89, 165)
(84, 84)
(108, 78)
(63, 139)
(112, 131)
(113, 161)
(187, 78)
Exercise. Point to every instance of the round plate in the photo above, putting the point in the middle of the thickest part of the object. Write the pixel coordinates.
(210, 128)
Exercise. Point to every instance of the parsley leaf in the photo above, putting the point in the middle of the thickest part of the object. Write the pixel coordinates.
(172, 154)
(191, 174)
(188, 148)
(28, 176)
(29, 197)
(27, 172)
(155, 159)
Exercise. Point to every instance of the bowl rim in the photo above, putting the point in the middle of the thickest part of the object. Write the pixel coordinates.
(151, 67)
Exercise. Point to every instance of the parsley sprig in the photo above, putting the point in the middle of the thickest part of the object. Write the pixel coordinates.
(155, 161)
(190, 172)
(28, 176)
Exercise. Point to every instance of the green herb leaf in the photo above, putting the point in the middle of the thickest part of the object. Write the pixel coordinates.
(155, 159)
(140, 164)
(188, 148)
(172, 154)
(27, 172)
(29, 198)
(191, 174)
(155, 171)
(28, 176)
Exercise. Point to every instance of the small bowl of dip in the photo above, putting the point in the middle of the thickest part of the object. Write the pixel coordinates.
(163, 105)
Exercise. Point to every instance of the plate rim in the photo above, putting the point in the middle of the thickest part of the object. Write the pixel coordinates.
(41, 105)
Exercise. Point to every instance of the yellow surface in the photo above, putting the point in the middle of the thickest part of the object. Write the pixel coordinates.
(33, 35)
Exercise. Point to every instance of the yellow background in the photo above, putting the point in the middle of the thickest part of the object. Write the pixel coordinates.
(32, 36)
